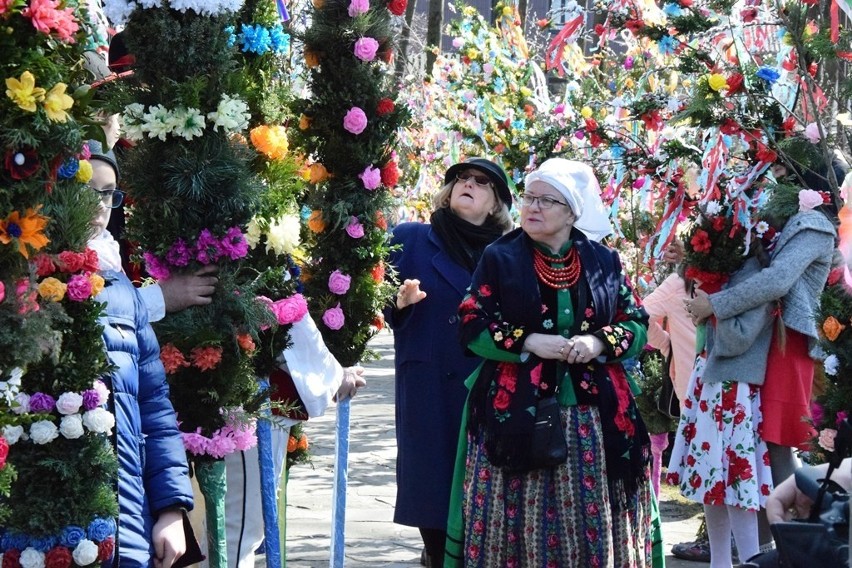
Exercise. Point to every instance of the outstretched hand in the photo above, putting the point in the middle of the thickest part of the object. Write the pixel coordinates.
(183, 290)
(353, 380)
(409, 293)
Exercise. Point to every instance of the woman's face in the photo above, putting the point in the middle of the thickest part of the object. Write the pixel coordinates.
(103, 181)
(547, 225)
(473, 197)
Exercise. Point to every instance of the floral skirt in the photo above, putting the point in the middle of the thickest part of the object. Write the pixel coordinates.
(719, 457)
(560, 517)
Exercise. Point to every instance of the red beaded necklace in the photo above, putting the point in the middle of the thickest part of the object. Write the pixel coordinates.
(558, 278)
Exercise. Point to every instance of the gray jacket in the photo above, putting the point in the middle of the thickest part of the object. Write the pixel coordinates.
(799, 266)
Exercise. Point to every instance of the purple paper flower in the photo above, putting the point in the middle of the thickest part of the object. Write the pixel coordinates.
(195, 443)
(179, 254)
(355, 120)
(333, 318)
(42, 403)
(156, 267)
(371, 177)
(338, 283)
(79, 288)
(234, 244)
(366, 48)
(358, 7)
(91, 399)
(355, 229)
(208, 249)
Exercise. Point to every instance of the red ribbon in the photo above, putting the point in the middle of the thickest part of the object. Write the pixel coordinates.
(553, 54)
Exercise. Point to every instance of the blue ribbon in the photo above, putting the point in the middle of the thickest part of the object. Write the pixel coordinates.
(341, 466)
(282, 11)
(268, 494)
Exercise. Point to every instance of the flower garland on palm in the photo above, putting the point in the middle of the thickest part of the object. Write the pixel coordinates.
(348, 127)
(57, 467)
(190, 210)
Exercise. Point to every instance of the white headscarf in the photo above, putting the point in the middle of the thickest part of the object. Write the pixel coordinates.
(578, 185)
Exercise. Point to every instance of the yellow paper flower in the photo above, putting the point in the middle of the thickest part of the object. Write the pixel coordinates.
(586, 112)
(84, 172)
(57, 102)
(472, 53)
(27, 230)
(51, 289)
(270, 140)
(717, 82)
(24, 92)
(507, 11)
(97, 282)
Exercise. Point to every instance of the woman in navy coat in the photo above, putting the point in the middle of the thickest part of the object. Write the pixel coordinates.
(434, 263)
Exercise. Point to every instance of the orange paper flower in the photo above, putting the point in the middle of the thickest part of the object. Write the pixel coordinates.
(305, 122)
(172, 358)
(832, 328)
(270, 140)
(27, 230)
(318, 173)
(302, 444)
(291, 444)
(206, 358)
(312, 59)
(315, 222)
(245, 342)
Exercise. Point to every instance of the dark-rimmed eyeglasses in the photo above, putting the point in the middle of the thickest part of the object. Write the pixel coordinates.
(111, 198)
(483, 181)
(544, 202)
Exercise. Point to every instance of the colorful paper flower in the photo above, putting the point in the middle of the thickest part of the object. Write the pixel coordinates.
(270, 140)
(26, 230)
(371, 177)
(333, 318)
(366, 48)
(355, 120)
(23, 91)
(21, 164)
(354, 228)
(358, 7)
(206, 358)
(57, 102)
(338, 282)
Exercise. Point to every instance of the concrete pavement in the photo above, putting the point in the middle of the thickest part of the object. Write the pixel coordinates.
(372, 538)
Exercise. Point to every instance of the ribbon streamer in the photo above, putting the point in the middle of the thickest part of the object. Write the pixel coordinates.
(282, 11)
(268, 495)
(553, 54)
(341, 467)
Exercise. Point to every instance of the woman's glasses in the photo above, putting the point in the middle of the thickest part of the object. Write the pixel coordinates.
(483, 181)
(111, 198)
(543, 201)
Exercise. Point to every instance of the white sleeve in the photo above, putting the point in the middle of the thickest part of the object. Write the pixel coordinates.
(316, 373)
(152, 297)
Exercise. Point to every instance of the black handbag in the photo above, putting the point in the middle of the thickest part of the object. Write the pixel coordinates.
(549, 447)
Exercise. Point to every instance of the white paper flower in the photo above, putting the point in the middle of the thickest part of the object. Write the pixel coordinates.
(832, 365)
(32, 558)
(85, 553)
(71, 426)
(69, 403)
(103, 391)
(23, 400)
(13, 433)
(118, 11)
(713, 208)
(283, 234)
(253, 232)
(150, 3)
(761, 228)
(231, 114)
(188, 123)
(157, 122)
(99, 420)
(43, 432)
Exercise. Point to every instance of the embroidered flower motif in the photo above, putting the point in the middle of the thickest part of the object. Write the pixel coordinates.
(547, 324)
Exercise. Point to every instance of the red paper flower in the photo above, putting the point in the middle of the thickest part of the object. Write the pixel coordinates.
(735, 83)
(700, 241)
(4, 452)
(57, 557)
(397, 7)
(389, 174)
(385, 106)
(21, 164)
(106, 549)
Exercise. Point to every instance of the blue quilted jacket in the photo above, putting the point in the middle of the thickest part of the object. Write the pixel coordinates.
(153, 472)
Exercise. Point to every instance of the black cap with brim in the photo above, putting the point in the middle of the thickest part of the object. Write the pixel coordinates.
(96, 149)
(493, 171)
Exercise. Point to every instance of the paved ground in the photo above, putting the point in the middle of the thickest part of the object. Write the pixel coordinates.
(372, 539)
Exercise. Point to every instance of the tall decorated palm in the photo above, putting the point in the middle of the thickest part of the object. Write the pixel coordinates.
(348, 128)
(57, 467)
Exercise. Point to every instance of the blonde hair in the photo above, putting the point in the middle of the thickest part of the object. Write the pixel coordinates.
(500, 216)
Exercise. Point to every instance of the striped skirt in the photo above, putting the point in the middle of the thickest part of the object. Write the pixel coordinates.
(560, 517)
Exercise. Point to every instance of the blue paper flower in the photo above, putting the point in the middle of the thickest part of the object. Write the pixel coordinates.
(768, 74)
(69, 168)
(279, 41)
(667, 45)
(232, 37)
(16, 540)
(256, 39)
(499, 86)
(44, 543)
(101, 529)
(672, 10)
(71, 536)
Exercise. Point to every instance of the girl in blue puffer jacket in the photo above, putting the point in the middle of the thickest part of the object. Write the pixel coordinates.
(153, 477)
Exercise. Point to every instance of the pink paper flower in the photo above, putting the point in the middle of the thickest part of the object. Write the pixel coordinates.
(333, 318)
(79, 288)
(208, 248)
(808, 199)
(366, 48)
(371, 177)
(355, 120)
(355, 229)
(234, 244)
(289, 310)
(179, 253)
(2, 291)
(826, 439)
(458, 42)
(46, 16)
(195, 443)
(358, 7)
(338, 283)
(220, 445)
(155, 267)
(812, 133)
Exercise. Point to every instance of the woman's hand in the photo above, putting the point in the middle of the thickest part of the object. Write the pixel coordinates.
(409, 293)
(578, 349)
(168, 538)
(698, 307)
(583, 348)
(353, 379)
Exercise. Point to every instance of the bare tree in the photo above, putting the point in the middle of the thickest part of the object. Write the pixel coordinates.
(435, 22)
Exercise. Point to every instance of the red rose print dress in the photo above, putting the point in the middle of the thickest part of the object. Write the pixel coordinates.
(718, 456)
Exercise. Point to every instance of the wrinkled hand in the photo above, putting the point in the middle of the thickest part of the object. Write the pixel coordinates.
(583, 348)
(353, 380)
(409, 293)
(168, 538)
(182, 290)
(546, 345)
(674, 252)
(698, 307)
(786, 502)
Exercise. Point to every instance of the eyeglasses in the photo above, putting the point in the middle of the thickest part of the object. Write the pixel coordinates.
(543, 201)
(111, 198)
(483, 181)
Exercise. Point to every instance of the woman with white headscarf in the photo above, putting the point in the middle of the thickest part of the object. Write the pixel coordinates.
(550, 310)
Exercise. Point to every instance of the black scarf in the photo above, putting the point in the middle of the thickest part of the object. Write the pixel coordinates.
(464, 241)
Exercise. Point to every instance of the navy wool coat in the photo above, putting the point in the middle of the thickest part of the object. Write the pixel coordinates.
(152, 467)
(430, 371)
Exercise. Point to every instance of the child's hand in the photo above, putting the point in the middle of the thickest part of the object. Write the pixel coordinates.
(168, 538)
